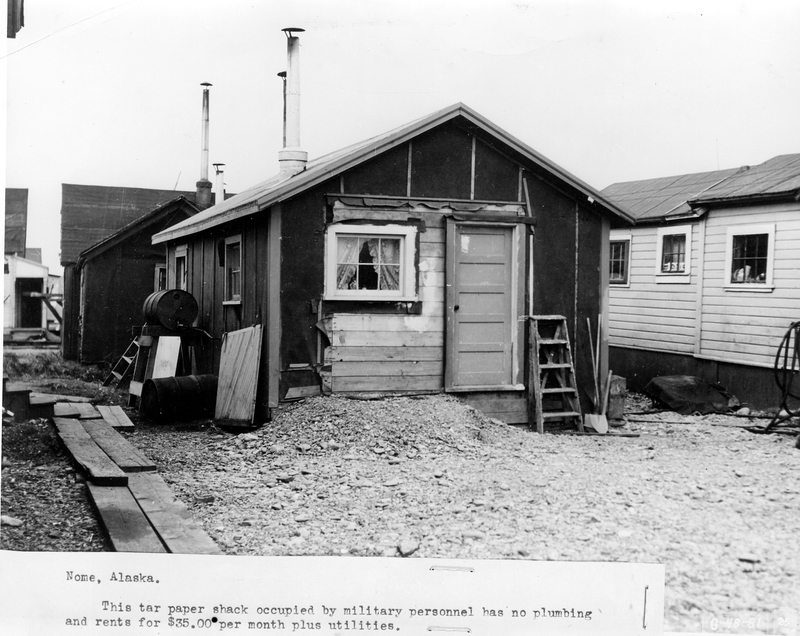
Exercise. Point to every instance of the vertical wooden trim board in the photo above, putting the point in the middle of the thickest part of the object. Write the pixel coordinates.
(273, 319)
(699, 272)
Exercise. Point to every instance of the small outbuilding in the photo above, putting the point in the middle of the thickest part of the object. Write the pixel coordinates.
(406, 263)
(104, 233)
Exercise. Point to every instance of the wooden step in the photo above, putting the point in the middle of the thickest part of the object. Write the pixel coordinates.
(119, 449)
(560, 365)
(116, 417)
(99, 468)
(127, 526)
(170, 517)
(564, 389)
(553, 341)
(553, 415)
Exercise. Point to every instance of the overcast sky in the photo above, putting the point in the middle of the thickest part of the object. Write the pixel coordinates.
(107, 92)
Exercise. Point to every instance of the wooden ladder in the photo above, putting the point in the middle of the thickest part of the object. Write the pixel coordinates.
(552, 375)
(124, 365)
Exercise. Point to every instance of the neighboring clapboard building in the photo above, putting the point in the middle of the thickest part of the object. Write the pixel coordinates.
(405, 263)
(708, 281)
(109, 263)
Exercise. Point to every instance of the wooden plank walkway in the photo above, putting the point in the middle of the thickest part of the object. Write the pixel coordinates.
(138, 510)
(127, 526)
(119, 449)
(170, 517)
(116, 417)
(100, 469)
(65, 409)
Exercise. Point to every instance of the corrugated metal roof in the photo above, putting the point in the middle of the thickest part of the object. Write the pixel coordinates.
(90, 214)
(274, 190)
(665, 197)
(16, 223)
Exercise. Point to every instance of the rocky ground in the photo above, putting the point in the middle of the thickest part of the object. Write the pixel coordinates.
(430, 477)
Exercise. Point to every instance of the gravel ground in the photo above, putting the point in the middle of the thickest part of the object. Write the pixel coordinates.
(431, 477)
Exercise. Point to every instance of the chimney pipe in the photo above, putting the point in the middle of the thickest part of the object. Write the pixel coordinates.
(218, 167)
(203, 196)
(292, 159)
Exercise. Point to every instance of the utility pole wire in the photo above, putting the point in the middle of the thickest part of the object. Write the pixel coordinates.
(44, 37)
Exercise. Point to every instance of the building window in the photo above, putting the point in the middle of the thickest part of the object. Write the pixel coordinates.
(160, 283)
(674, 257)
(233, 269)
(180, 267)
(619, 260)
(371, 262)
(749, 257)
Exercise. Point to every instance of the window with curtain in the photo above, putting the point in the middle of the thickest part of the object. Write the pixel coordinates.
(371, 262)
(673, 259)
(749, 257)
(233, 269)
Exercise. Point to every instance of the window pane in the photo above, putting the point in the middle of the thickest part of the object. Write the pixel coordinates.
(750, 255)
(673, 254)
(233, 271)
(618, 265)
(180, 272)
(368, 263)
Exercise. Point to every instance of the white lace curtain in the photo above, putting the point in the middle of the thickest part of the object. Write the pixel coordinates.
(385, 260)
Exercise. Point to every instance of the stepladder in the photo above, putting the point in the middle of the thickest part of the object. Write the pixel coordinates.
(124, 366)
(553, 402)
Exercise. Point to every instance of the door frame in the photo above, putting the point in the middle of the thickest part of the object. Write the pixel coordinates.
(517, 283)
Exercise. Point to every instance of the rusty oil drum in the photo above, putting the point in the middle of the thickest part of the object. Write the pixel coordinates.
(171, 308)
(180, 398)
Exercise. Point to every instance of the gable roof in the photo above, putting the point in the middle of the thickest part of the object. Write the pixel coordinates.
(689, 194)
(275, 189)
(90, 214)
(157, 217)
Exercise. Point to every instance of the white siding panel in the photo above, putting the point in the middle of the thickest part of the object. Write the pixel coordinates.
(747, 326)
(648, 313)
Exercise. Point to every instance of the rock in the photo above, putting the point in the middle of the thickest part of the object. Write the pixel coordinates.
(284, 477)
(276, 448)
(743, 411)
(438, 474)
(277, 506)
(205, 498)
(748, 558)
(303, 518)
(407, 547)
(5, 520)
(392, 482)
(304, 448)
(248, 437)
(334, 445)
(379, 450)
(473, 534)
(624, 534)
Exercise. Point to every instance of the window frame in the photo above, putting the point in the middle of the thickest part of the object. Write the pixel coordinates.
(674, 277)
(747, 230)
(407, 234)
(228, 298)
(620, 237)
(181, 253)
(160, 267)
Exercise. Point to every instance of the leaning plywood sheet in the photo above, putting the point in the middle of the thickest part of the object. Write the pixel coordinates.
(238, 375)
(120, 450)
(98, 466)
(169, 516)
(126, 524)
(167, 353)
(53, 398)
(116, 417)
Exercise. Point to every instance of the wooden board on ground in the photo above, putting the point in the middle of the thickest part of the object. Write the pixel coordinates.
(169, 516)
(238, 374)
(65, 409)
(52, 398)
(126, 524)
(120, 450)
(116, 417)
(87, 411)
(100, 469)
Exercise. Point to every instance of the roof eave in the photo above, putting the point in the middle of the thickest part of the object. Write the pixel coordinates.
(787, 196)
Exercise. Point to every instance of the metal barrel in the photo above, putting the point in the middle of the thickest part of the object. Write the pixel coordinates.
(179, 398)
(170, 308)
